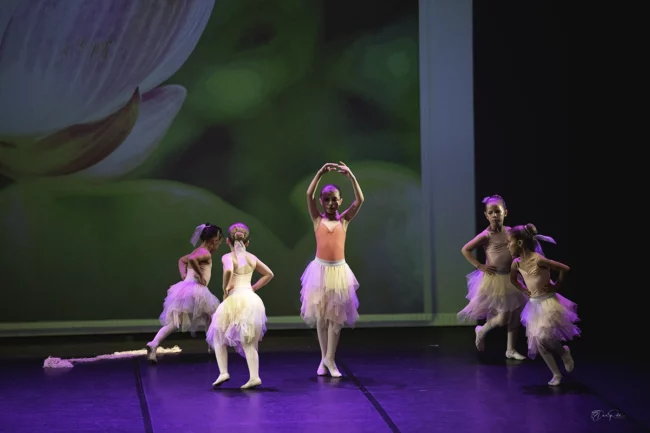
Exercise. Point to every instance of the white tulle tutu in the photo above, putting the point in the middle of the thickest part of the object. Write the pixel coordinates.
(329, 291)
(240, 320)
(490, 295)
(188, 305)
(549, 317)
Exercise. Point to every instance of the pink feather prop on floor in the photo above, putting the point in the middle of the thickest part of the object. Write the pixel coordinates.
(53, 362)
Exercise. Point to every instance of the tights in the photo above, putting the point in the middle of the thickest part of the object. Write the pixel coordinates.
(252, 359)
(546, 350)
(328, 338)
(164, 332)
(511, 320)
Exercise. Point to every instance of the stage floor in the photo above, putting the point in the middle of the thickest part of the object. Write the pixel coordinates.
(419, 380)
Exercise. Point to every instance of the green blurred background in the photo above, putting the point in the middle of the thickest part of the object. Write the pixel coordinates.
(275, 89)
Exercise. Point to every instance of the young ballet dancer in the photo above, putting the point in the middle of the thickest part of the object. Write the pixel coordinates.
(491, 295)
(548, 316)
(189, 303)
(329, 287)
(240, 320)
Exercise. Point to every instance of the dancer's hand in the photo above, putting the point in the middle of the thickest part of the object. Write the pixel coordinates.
(330, 166)
(344, 169)
(490, 270)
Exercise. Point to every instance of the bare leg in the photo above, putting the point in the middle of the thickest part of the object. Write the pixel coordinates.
(333, 334)
(321, 327)
(221, 353)
(549, 359)
(253, 361)
(513, 330)
(163, 333)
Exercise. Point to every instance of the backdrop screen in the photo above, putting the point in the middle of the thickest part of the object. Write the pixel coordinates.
(124, 124)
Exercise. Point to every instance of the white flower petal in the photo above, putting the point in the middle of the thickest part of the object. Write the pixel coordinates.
(70, 149)
(65, 62)
(188, 33)
(158, 109)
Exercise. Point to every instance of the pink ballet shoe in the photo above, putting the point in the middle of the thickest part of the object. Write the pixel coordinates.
(513, 354)
(252, 383)
(331, 366)
(224, 377)
(557, 379)
(322, 369)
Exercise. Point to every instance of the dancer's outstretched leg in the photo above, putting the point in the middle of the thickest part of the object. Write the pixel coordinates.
(322, 329)
(253, 361)
(333, 334)
(152, 346)
(221, 353)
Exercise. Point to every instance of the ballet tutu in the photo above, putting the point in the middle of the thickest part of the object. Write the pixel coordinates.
(188, 306)
(490, 295)
(240, 320)
(549, 317)
(329, 291)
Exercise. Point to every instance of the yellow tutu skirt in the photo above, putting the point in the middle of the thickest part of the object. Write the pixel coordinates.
(490, 295)
(239, 321)
(329, 291)
(188, 306)
(549, 317)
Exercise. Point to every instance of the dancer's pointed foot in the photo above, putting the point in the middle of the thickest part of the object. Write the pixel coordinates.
(480, 344)
(567, 359)
(151, 353)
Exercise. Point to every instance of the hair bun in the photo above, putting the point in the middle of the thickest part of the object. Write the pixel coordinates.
(531, 229)
(239, 235)
(494, 198)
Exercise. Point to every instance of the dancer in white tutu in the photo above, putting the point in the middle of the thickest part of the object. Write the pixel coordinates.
(548, 316)
(189, 304)
(491, 295)
(240, 320)
(328, 294)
